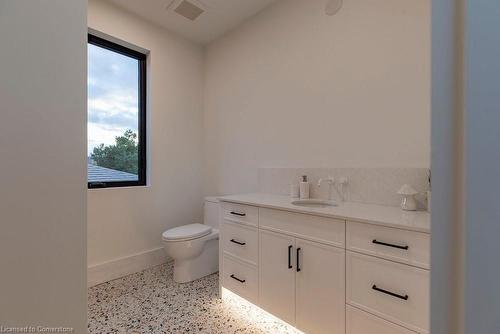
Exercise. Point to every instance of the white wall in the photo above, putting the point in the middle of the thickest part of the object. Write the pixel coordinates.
(43, 168)
(126, 221)
(447, 216)
(482, 167)
(294, 87)
(466, 167)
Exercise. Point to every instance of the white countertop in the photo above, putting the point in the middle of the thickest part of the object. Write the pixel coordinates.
(370, 213)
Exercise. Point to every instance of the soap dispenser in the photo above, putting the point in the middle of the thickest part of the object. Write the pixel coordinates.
(304, 188)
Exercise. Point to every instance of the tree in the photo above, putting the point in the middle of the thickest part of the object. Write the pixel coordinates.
(122, 156)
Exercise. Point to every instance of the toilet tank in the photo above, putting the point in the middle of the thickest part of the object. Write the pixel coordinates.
(211, 212)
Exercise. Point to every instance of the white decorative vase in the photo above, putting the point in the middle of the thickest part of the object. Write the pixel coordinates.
(408, 201)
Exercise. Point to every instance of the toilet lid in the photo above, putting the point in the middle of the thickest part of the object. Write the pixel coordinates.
(191, 231)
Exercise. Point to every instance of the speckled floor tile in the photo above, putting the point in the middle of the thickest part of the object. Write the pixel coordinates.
(151, 302)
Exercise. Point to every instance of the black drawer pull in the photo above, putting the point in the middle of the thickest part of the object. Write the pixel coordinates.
(238, 242)
(375, 241)
(238, 213)
(298, 260)
(405, 297)
(236, 278)
(290, 257)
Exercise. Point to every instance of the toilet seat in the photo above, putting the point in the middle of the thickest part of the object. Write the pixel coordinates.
(186, 232)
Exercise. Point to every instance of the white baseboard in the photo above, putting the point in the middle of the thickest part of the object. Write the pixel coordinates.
(107, 271)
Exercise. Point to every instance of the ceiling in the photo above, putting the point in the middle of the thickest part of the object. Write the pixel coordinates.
(219, 16)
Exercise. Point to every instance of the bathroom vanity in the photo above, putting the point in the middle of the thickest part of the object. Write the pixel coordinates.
(352, 268)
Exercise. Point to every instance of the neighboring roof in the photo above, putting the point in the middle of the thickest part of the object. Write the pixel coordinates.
(102, 174)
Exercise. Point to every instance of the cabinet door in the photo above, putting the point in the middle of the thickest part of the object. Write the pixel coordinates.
(320, 288)
(277, 275)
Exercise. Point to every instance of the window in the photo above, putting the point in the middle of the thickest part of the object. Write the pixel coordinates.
(116, 86)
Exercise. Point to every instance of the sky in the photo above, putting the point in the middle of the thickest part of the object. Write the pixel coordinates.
(112, 84)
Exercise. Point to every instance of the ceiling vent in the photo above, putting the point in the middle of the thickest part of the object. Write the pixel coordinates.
(188, 9)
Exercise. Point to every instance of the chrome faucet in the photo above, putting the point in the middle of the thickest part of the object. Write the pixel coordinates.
(331, 184)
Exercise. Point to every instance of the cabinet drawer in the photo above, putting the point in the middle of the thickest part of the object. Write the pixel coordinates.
(238, 213)
(240, 241)
(394, 244)
(326, 230)
(361, 322)
(241, 278)
(394, 291)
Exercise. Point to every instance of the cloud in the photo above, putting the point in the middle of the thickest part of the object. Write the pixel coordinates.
(100, 135)
(114, 111)
(112, 95)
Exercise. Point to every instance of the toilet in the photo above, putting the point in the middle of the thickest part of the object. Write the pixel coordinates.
(195, 247)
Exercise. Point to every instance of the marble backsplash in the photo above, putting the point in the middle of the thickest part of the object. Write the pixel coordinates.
(366, 185)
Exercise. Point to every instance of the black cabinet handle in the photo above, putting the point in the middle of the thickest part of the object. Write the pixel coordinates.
(375, 241)
(298, 259)
(238, 242)
(238, 214)
(290, 257)
(236, 278)
(405, 297)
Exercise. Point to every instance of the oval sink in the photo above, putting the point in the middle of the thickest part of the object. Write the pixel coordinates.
(314, 203)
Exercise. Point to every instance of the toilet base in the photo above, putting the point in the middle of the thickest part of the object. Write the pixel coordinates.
(205, 264)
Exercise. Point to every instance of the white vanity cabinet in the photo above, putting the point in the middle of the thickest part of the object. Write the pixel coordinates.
(326, 275)
(387, 276)
(320, 288)
(300, 265)
(360, 322)
(277, 275)
(239, 249)
(302, 270)
(302, 282)
(407, 247)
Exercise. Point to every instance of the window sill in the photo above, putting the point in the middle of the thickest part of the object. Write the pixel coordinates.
(120, 187)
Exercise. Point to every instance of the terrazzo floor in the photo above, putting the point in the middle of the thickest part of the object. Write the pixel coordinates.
(151, 302)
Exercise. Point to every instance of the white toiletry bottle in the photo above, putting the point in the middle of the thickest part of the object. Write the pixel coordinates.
(304, 188)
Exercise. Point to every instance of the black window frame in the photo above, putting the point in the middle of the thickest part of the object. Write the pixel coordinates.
(142, 141)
